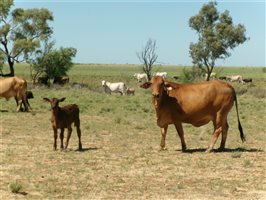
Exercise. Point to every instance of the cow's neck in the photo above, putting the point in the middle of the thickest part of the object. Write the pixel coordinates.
(161, 103)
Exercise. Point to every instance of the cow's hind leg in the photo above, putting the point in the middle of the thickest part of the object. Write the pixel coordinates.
(217, 124)
(180, 132)
(19, 104)
(163, 132)
(224, 136)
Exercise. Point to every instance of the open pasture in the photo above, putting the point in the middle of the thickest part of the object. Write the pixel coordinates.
(121, 157)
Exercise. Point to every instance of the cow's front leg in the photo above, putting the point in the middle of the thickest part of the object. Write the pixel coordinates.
(163, 132)
(180, 132)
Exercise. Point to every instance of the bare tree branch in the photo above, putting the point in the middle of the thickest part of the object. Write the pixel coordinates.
(148, 57)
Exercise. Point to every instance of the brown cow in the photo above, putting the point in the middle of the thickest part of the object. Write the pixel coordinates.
(61, 80)
(196, 104)
(14, 87)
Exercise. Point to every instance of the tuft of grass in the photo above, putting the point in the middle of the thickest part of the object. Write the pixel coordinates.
(118, 120)
(236, 155)
(15, 187)
(247, 163)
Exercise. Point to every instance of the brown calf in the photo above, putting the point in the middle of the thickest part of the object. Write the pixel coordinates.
(130, 91)
(63, 117)
(196, 104)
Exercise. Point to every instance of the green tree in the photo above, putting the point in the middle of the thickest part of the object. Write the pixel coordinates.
(21, 32)
(51, 62)
(217, 35)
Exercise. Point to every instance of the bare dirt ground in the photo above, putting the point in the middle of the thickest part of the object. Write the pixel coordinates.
(121, 157)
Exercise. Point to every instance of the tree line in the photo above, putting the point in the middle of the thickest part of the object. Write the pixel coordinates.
(25, 36)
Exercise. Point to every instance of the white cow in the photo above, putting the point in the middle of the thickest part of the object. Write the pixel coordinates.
(119, 87)
(235, 78)
(212, 76)
(162, 74)
(141, 77)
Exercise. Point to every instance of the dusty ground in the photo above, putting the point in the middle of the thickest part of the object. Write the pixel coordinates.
(121, 157)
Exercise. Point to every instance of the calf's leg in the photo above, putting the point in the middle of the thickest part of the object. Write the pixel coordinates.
(163, 132)
(62, 138)
(55, 138)
(79, 137)
(69, 131)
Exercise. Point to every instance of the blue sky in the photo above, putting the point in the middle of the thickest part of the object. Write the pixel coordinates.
(113, 31)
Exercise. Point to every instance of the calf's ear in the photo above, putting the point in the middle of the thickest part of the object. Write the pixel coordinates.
(46, 99)
(62, 99)
(146, 85)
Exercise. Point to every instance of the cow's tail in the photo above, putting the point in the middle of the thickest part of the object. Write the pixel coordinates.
(239, 124)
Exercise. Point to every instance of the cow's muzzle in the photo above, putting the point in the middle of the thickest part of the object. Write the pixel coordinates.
(155, 95)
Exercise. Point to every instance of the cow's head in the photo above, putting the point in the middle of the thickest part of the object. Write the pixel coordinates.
(159, 86)
(54, 102)
(103, 83)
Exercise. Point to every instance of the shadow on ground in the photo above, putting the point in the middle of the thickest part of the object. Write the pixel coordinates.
(226, 150)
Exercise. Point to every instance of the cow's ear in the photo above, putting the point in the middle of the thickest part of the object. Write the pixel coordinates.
(62, 99)
(146, 85)
(168, 86)
(46, 99)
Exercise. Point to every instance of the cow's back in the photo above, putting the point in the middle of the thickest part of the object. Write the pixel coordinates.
(11, 86)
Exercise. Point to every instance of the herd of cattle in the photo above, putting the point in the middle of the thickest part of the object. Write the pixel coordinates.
(120, 87)
(194, 103)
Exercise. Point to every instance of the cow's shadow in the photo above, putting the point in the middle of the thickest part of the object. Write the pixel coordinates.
(226, 150)
(3, 110)
(87, 149)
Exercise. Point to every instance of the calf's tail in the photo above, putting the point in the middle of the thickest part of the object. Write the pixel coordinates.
(239, 124)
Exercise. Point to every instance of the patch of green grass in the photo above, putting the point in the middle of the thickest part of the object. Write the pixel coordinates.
(15, 187)
(121, 140)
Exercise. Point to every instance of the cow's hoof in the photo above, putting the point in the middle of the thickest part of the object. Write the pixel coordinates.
(163, 149)
(209, 150)
(221, 149)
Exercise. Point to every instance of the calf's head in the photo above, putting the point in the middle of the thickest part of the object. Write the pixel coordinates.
(54, 102)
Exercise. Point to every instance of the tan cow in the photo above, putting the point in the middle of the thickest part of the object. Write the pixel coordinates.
(196, 104)
(14, 87)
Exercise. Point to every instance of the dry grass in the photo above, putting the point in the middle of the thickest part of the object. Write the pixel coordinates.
(121, 157)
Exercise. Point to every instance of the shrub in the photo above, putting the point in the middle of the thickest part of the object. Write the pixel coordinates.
(190, 75)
